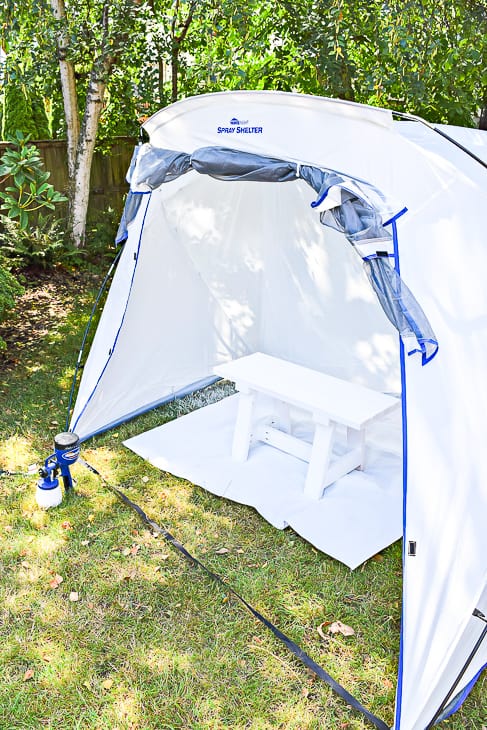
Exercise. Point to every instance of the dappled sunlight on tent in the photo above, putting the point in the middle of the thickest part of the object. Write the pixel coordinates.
(358, 288)
(198, 223)
(317, 263)
(379, 354)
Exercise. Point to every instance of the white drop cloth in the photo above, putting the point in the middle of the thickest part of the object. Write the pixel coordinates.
(357, 516)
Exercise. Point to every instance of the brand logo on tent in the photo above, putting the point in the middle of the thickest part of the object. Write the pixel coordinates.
(239, 126)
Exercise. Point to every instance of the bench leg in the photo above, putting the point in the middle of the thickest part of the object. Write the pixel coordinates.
(281, 418)
(243, 426)
(356, 440)
(319, 460)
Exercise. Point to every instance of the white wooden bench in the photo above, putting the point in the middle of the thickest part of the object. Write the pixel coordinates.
(329, 400)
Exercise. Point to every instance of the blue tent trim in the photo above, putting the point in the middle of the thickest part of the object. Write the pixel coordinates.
(177, 395)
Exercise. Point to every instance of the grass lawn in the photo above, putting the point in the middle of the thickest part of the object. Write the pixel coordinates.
(104, 626)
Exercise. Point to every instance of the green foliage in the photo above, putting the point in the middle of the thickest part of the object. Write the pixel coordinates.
(425, 57)
(39, 115)
(29, 234)
(17, 112)
(58, 123)
(28, 191)
(101, 229)
(119, 115)
(9, 290)
(422, 56)
(42, 245)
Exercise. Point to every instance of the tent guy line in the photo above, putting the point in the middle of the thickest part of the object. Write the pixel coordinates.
(294, 648)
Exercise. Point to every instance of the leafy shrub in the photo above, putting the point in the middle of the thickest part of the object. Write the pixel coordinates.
(28, 191)
(9, 290)
(30, 234)
(101, 229)
(40, 117)
(42, 245)
(17, 111)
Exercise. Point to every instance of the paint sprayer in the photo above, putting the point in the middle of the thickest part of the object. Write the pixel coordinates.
(66, 453)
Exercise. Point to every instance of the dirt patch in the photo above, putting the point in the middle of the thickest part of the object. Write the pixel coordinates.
(48, 297)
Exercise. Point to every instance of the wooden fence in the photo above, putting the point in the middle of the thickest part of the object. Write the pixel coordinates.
(107, 185)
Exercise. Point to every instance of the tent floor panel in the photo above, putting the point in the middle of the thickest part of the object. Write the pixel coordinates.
(356, 517)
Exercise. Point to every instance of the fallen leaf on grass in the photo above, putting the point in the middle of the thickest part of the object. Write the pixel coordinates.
(321, 628)
(74, 596)
(56, 581)
(85, 542)
(107, 684)
(134, 549)
(338, 628)
(28, 674)
(222, 551)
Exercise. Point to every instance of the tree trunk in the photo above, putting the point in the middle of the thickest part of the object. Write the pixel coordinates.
(177, 40)
(81, 142)
(174, 71)
(161, 79)
(68, 85)
(483, 118)
(78, 207)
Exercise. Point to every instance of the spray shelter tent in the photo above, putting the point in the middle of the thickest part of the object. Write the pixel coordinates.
(316, 230)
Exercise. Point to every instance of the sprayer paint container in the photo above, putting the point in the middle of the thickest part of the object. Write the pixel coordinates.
(66, 452)
(48, 493)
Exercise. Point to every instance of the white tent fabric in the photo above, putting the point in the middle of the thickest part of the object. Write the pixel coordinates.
(214, 270)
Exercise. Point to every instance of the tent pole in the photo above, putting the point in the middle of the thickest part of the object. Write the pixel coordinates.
(414, 118)
(482, 617)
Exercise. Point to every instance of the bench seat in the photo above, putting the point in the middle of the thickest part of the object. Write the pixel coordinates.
(329, 400)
